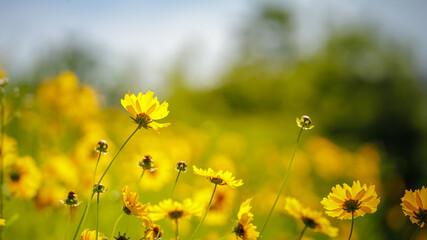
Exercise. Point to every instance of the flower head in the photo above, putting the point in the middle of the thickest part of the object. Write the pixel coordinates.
(145, 109)
(132, 206)
(23, 178)
(147, 163)
(414, 205)
(175, 210)
(101, 147)
(121, 237)
(71, 199)
(244, 229)
(181, 166)
(90, 235)
(152, 232)
(312, 219)
(305, 122)
(344, 201)
(220, 177)
(99, 188)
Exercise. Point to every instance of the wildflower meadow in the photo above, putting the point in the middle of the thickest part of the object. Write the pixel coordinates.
(282, 144)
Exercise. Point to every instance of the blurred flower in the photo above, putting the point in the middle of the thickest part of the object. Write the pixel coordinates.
(181, 166)
(175, 210)
(71, 199)
(132, 206)
(312, 219)
(152, 231)
(90, 235)
(101, 147)
(342, 202)
(23, 178)
(305, 122)
(2, 222)
(145, 109)
(244, 228)
(220, 177)
(221, 206)
(49, 194)
(414, 205)
(4, 79)
(146, 163)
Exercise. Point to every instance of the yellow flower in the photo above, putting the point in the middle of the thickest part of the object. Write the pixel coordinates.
(175, 210)
(145, 109)
(312, 219)
(2, 222)
(90, 235)
(343, 201)
(220, 177)
(23, 178)
(132, 206)
(152, 231)
(244, 228)
(414, 205)
(3, 77)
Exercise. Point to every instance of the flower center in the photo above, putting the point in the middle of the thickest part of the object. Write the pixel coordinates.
(351, 205)
(239, 230)
(176, 214)
(421, 216)
(217, 180)
(309, 222)
(14, 176)
(126, 210)
(142, 120)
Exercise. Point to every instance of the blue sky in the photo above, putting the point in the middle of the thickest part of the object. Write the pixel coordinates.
(156, 33)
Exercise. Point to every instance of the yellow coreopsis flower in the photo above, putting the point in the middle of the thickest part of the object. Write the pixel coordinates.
(244, 228)
(2, 222)
(132, 206)
(152, 232)
(414, 205)
(145, 109)
(90, 235)
(23, 178)
(345, 202)
(219, 178)
(312, 219)
(175, 210)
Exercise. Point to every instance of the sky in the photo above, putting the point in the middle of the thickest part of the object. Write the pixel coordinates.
(155, 34)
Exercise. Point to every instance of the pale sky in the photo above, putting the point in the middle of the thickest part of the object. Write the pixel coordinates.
(155, 33)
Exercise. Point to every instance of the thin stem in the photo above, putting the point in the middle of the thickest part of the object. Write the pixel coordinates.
(176, 230)
(106, 170)
(285, 178)
(223, 237)
(68, 224)
(140, 178)
(415, 233)
(1, 155)
(97, 214)
(176, 181)
(115, 156)
(115, 225)
(352, 222)
(302, 233)
(206, 213)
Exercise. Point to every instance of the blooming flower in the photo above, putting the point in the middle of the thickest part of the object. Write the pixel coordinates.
(244, 228)
(23, 178)
(132, 206)
(90, 235)
(220, 177)
(414, 205)
(175, 210)
(152, 232)
(145, 109)
(312, 219)
(344, 201)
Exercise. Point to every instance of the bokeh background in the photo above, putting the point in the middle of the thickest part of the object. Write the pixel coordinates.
(236, 75)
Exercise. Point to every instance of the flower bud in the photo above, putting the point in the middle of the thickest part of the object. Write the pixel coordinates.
(101, 147)
(181, 166)
(99, 188)
(305, 122)
(71, 199)
(147, 163)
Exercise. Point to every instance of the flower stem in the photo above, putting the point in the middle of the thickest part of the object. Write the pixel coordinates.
(106, 170)
(223, 237)
(176, 181)
(97, 214)
(68, 224)
(352, 223)
(204, 216)
(176, 230)
(302, 233)
(415, 233)
(1, 155)
(285, 178)
(115, 225)
(142, 174)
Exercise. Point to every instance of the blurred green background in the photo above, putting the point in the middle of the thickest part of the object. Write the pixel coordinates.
(362, 89)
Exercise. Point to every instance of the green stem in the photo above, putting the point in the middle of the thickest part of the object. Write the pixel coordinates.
(106, 170)
(415, 233)
(302, 233)
(352, 222)
(285, 178)
(223, 237)
(206, 213)
(176, 181)
(97, 214)
(176, 230)
(115, 225)
(68, 224)
(1, 155)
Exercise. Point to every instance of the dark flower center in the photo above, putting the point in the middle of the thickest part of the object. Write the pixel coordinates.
(126, 210)
(176, 214)
(217, 180)
(351, 205)
(421, 216)
(14, 176)
(309, 222)
(239, 230)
